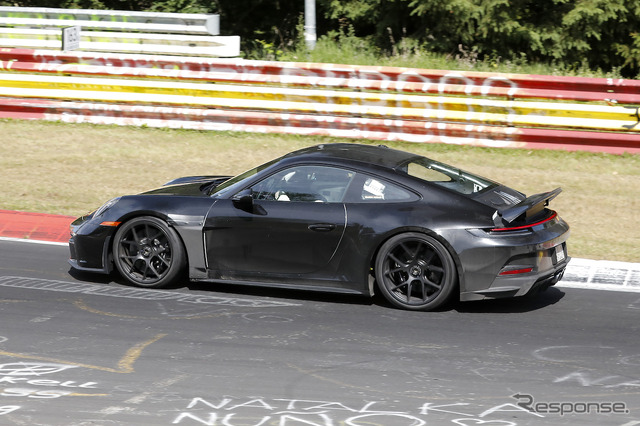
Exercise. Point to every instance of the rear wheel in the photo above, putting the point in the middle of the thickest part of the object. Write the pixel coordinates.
(415, 271)
(148, 253)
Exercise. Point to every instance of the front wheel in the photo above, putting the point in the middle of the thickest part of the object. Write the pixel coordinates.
(148, 253)
(415, 271)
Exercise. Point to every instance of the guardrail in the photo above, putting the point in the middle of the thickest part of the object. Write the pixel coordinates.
(117, 31)
(384, 103)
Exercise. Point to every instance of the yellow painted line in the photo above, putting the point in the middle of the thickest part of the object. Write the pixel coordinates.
(83, 306)
(428, 115)
(125, 365)
(328, 97)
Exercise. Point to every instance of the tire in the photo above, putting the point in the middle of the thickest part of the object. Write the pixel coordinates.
(148, 253)
(415, 271)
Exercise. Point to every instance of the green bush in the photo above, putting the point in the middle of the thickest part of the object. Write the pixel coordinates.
(585, 36)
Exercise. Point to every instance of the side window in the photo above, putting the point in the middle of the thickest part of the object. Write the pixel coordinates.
(305, 183)
(368, 189)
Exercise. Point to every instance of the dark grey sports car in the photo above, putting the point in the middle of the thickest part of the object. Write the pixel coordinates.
(339, 217)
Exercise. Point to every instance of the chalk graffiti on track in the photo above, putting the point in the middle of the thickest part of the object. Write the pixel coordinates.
(135, 293)
(265, 411)
(23, 381)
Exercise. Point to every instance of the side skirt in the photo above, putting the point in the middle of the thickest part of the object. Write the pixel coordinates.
(316, 288)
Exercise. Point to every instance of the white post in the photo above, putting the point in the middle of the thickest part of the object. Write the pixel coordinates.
(310, 23)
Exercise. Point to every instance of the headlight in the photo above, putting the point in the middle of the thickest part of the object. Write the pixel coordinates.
(106, 206)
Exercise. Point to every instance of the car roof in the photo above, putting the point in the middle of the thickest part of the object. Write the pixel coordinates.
(379, 155)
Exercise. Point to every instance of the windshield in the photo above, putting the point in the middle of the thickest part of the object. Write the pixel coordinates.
(231, 184)
(447, 176)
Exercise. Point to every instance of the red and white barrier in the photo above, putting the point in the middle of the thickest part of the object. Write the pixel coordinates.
(384, 103)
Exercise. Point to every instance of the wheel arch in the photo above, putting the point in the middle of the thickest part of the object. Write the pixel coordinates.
(147, 213)
(454, 255)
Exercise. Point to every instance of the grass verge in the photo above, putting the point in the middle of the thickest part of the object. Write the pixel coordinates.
(71, 169)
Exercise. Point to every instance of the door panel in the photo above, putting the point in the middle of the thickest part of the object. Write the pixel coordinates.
(274, 238)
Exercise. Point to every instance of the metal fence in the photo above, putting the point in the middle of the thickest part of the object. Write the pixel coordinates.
(117, 31)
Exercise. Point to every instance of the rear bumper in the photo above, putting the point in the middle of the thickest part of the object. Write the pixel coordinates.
(521, 286)
(516, 265)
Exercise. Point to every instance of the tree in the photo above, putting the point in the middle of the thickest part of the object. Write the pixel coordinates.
(598, 33)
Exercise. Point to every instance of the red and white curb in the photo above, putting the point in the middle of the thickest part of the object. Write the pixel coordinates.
(602, 275)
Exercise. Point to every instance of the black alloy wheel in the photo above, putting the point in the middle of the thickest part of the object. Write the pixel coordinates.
(148, 253)
(415, 271)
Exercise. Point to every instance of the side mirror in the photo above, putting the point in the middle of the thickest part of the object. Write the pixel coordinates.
(243, 200)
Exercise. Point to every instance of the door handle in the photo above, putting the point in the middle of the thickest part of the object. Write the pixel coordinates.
(322, 227)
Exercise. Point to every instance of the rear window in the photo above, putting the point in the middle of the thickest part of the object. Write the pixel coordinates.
(446, 176)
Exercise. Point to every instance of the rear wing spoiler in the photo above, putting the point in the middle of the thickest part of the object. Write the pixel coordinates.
(529, 206)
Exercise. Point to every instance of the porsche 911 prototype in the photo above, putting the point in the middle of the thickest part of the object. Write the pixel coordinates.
(344, 218)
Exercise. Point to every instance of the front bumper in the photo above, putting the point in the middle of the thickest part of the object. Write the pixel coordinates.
(89, 246)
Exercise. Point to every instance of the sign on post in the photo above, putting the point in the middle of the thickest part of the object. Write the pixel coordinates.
(71, 38)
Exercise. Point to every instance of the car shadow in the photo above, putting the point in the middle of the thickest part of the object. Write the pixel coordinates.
(279, 293)
(509, 305)
(94, 277)
(528, 303)
(512, 305)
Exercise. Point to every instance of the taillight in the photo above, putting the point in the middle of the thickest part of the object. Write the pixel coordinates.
(523, 227)
(516, 271)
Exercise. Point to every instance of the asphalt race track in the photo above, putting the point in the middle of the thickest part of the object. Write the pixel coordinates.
(85, 350)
